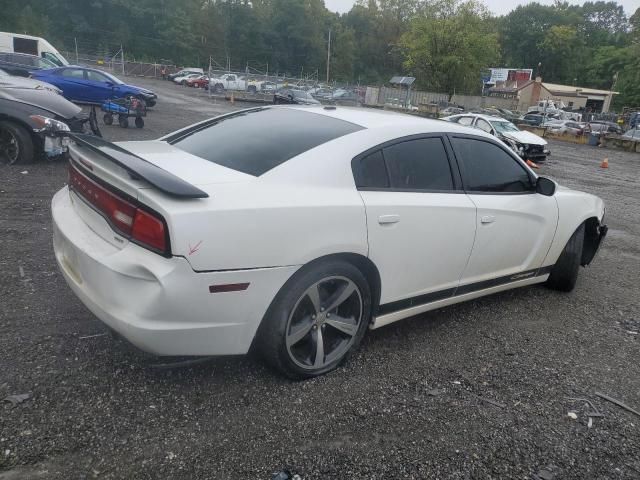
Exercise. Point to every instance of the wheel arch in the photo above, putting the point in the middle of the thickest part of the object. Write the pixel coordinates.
(592, 240)
(361, 262)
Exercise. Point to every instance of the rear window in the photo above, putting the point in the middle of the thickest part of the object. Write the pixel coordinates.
(257, 141)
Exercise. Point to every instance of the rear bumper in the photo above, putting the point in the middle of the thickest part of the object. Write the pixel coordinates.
(160, 304)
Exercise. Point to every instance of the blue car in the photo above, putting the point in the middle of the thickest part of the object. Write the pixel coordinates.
(89, 85)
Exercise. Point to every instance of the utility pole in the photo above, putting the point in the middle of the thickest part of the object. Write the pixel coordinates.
(75, 40)
(329, 57)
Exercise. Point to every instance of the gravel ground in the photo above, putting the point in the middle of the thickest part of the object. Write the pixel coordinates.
(473, 391)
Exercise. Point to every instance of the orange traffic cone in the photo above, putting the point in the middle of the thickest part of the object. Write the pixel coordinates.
(532, 165)
(233, 98)
(605, 163)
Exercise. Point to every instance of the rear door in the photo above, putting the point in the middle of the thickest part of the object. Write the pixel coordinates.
(420, 223)
(71, 82)
(514, 225)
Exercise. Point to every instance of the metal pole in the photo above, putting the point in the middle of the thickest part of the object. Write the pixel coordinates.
(75, 40)
(122, 55)
(329, 56)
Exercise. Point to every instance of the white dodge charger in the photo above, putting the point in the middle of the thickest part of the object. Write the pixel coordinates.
(295, 230)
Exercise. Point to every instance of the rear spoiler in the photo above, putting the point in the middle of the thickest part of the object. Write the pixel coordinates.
(138, 167)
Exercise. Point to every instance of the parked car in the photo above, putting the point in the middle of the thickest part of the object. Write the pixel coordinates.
(533, 119)
(449, 111)
(342, 95)
(184, 72)
(608, 127)
(229, 81)
(632, 134)
(183, 80)
(526, 144)
(89, 85)
(31, 117)
(291, 96)
(201, 81)
(322, 93)
(19, 43)
(300, 240)
(20, 64)
(565, 126)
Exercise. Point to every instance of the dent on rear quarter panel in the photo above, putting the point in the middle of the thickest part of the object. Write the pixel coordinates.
(574, 208)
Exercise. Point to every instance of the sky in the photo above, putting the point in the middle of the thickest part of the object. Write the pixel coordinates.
(498, 7)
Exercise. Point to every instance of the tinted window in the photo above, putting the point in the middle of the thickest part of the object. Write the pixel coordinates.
(488, 168)
(419, 164)
(73, 73)
(370, 172)
(256, 141)
(52, 58)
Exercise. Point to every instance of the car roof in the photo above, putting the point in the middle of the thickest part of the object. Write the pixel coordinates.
(372, 119)
(490, 118)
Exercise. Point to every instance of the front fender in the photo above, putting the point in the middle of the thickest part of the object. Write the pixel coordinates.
(574, 208)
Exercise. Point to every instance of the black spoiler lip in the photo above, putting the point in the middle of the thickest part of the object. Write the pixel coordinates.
(139, 168)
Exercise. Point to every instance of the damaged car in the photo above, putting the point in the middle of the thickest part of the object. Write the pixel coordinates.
(35, 121)
(527, 145)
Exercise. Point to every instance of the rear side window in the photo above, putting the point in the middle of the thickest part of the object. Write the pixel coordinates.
(465, 121)
(420, 164)
(257, 141)
(488, 168)
(370, 171)
(72, 73)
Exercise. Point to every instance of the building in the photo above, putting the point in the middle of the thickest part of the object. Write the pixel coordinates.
(575, 98)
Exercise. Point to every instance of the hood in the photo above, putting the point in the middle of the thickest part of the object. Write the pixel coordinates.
(43, 99)
(190, 168)
(525, 137)
(135, 89)
(9, 81)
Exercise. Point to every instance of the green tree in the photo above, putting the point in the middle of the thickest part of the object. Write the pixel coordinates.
(448, 44)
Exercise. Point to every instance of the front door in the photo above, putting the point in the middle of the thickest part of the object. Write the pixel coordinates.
(99, 87)
(514, 226)
(421, 225)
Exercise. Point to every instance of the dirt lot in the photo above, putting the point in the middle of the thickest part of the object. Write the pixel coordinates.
(473, 391)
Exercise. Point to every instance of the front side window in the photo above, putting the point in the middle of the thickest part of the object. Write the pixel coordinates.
(420, 164)
(53, 59)
(483, 125)
(488, 168)
(96, 77)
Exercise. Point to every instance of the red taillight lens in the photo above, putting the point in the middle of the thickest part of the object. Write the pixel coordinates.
(149, 230)
(144, 227)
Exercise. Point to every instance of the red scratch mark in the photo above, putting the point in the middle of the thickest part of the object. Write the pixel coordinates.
(195, 248)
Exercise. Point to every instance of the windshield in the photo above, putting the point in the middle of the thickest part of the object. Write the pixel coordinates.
(502, 127)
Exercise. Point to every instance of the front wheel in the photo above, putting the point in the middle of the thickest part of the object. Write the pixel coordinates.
(16, 143)
(316, 320)
(123, 121)
(564, 273)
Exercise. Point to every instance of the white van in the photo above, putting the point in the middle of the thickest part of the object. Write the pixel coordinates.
(17, 43)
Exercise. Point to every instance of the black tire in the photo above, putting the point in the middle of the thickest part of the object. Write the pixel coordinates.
(139, 122)
(183, 83)
(150, 103)
(218, 88)
(277, 325)
(16, 144)
(252, 89)
(564, 274)
(123, 121)
(108, 119)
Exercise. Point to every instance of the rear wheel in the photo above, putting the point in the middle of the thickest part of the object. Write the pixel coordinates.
(108, 119)
(123, 121)
(16, 143)
(139, 122)
(564, 274)
(316, 320)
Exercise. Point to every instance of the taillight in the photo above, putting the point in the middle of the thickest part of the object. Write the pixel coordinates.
(140, 225)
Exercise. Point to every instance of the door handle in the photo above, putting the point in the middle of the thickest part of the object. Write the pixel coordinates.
(487, 219)
(388, 219)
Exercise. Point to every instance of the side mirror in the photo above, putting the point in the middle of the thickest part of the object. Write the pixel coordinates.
(109, 84)
(545, 186)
